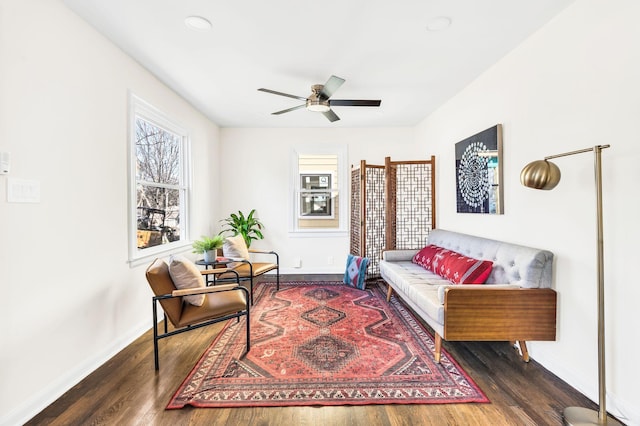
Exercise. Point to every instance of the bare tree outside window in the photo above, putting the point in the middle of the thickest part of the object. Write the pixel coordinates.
(158, 184)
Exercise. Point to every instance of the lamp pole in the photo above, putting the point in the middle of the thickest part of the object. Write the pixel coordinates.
(602, 383)
(543, 176)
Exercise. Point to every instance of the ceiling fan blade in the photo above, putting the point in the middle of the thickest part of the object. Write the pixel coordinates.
(354, 102)
(331, 86)
(331, 116)
(288, 109)
(282, 94)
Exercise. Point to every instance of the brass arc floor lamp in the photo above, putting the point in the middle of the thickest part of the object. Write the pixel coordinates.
(543, 174)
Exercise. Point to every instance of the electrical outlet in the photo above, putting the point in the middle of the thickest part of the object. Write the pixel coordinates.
(330, 260)
(297, 262)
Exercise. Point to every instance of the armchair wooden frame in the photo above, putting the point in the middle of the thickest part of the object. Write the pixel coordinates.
(173, 306)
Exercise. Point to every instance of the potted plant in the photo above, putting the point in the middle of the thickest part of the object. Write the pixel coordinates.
(208, 247)
(247, 226)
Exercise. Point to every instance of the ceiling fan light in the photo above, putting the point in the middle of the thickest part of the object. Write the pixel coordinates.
(439, 23)
(197, 23)
(318, 106)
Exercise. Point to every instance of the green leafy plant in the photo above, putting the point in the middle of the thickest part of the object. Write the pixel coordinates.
(247, 226)
(208, 244)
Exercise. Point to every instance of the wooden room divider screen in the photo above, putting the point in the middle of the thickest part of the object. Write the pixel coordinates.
(392, 207)
(368, 216)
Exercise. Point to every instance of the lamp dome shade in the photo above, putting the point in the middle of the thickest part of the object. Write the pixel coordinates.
(540, 174)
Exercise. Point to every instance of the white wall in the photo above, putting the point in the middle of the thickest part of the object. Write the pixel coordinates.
(572, 85)
(256, 174)
(69, 298)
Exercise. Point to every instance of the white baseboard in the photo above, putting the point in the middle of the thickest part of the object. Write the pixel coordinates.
(625, 411)
(47, 395)
(298, 271)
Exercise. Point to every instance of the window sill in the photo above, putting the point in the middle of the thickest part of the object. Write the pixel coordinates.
(158, 252)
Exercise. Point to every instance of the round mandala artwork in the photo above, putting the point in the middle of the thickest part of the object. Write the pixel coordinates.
(473, 175)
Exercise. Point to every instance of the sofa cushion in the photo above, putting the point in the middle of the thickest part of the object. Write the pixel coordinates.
(416, 285)
(527, 267)
(460, 269)
(455, 267)
(425, 256)
(185, 274)
(405, 275)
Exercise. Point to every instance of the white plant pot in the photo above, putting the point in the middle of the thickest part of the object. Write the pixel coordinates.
(210, 255)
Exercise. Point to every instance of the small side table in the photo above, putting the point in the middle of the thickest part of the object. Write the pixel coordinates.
(218, 263)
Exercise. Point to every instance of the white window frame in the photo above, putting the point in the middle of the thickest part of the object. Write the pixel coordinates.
(140, 108)
(343, 191)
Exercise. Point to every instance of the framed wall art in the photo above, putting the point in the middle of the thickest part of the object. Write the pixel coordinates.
(479, 173)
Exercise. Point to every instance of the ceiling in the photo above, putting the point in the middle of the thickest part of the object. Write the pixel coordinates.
(383, 49)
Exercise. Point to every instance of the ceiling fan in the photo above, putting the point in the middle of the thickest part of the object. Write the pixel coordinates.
(318, 100)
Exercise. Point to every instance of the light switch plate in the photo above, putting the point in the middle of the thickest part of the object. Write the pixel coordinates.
(5, 163)
(23, 191)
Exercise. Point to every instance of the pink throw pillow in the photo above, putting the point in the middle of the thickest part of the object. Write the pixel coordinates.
(461, 269)
(426, 256)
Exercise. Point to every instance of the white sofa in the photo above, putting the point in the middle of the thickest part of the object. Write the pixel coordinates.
(515, 304)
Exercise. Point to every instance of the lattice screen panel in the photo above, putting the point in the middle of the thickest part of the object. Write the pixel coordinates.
(375, 232)
(392, 206)
(355, 226)
(411, 201)
(368, 215)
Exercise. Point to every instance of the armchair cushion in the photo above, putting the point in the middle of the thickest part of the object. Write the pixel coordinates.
(222, 303)
(235, 247)
(185, 274)
(244, 270)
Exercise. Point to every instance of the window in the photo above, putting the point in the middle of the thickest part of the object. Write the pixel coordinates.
(318, 181)
(315, 196)
(158, 182)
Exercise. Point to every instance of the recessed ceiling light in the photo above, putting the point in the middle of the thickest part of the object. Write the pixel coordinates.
(439, 23)
(197, 23)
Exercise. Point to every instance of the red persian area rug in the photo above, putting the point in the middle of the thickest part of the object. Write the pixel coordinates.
(324, 343)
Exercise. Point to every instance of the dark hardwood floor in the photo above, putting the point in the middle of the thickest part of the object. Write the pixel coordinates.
(127, 391)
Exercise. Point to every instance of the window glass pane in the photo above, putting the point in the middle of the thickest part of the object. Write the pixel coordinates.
(159, 188)
(318, 192)
(316, 204)
(315, 181)
(158, 215)
(157, 154)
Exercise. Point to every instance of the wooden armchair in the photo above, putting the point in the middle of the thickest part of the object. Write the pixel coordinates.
(221, 303)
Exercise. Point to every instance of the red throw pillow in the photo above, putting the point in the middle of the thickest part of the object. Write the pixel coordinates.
(426, 256)
(461, 269)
